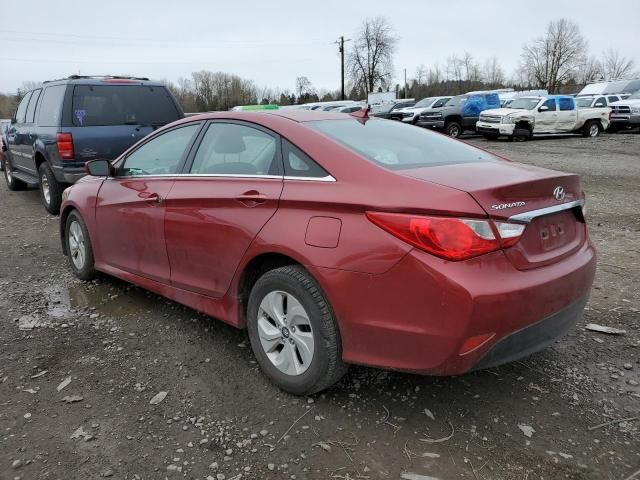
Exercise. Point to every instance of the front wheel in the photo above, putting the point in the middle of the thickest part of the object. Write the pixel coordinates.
(293, 331)
(50, 189)
(78, 246)
(591, 129)
(454, 129)
(12, 182)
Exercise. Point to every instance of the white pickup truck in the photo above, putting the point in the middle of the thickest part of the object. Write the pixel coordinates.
(528, 116)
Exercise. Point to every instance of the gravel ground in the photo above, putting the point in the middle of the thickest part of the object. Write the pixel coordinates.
(82, 366)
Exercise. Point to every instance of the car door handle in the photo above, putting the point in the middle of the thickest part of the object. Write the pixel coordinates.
(153, 198)
(251, 198)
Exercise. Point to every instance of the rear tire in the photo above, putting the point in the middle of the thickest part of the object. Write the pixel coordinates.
(453, 129)
(591, 129)
(50, 189)
(12, 182)
(78, 247)
(302, 360)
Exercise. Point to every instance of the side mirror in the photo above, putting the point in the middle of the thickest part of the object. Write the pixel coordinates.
(543, 108)
(99, 168)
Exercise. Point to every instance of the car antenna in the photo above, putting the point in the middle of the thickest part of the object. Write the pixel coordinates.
(362, 115)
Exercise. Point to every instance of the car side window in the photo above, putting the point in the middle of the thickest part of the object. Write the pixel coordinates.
(22, 108)
(299, 164)
(31, 109)
(551, 104)
(235, 149)
(565, 104)
(440, 103)
(51, 106)
(600, 102)
(613, 99)
(161, 155)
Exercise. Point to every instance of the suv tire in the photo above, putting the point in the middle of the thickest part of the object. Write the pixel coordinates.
(12, 182)
(302, 356)
(78, 247)
(50, 189)
(453, 129)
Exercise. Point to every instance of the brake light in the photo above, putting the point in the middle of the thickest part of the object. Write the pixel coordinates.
(65, 145)
(119, 80)
(448, 237)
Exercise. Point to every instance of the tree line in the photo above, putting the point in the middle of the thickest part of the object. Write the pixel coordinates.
(559, 61)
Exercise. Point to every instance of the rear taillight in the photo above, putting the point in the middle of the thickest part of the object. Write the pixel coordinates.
(449, 237)
(65, 145)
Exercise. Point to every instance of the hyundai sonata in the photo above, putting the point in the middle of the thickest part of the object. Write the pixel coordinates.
(340, 239)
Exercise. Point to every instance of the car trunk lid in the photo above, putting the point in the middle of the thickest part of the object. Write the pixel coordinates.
(547, 201)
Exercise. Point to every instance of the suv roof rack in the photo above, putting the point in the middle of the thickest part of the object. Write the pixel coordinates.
(115, 77)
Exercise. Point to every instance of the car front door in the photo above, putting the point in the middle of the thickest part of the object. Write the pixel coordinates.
(214, 212)
(547, 117)
(16, 138)
(130, 207)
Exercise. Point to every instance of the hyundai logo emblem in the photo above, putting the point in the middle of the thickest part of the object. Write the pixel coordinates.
(558, 193)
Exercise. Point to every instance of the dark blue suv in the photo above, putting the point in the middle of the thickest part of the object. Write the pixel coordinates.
(60, 126)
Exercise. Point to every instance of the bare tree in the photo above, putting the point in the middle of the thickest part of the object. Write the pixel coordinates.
(493, 73)
(470, 68)
(555, 57)
(453, 68)
(421, 75)
(370, 61)
(615, 66)
(590, 71)
(304, 87)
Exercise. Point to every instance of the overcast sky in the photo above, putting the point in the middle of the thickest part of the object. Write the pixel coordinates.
(273, 42)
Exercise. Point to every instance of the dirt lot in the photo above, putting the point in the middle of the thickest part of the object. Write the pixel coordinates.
(557, 414)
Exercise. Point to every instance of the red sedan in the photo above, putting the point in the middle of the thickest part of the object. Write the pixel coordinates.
(338, 239)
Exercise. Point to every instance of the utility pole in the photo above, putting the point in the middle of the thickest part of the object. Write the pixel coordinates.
(340, 44)
(405, 83)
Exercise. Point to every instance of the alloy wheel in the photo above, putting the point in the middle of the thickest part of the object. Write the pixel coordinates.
(46, 189)
(594, 130)
(77, 247)
(285, 332)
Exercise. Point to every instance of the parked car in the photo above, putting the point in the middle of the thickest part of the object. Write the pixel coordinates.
(527, 116)
(349, 109)
(338, 239)
(61, 125)
(3, 126)
(626, 113)
(599, 101)
(386, 110)
(411, 114)
(459, 114)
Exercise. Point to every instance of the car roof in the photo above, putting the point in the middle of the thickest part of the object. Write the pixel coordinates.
(106, 80)
(295, 115)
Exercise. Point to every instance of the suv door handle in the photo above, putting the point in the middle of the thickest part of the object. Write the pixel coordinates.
(251, 198)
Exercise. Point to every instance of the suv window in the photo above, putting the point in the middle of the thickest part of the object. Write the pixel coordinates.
(613, 99)
(234, 149)
(600, 102)
(299, 164)
(99, 105)
(161, 155)
(551, 104)
(440, 103)
(565, 104)
(31, 109)
(22, 108)
(51, 106)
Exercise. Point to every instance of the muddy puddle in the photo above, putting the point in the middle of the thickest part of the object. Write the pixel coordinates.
(108, 298)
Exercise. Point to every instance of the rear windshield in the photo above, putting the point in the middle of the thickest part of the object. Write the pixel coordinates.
(397, 146)
(95, 105)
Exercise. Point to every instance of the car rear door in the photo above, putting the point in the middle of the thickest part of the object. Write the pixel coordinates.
(567, 115)
(130, 207)
(214, 211)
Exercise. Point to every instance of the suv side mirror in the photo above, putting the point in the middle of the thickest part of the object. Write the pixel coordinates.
(99, 168)
(543, 108)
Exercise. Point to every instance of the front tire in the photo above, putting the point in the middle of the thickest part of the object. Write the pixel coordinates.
(293, 331)
(78, 246)
(50, 189)
(453, 129)
(13, 183)
(591, 129)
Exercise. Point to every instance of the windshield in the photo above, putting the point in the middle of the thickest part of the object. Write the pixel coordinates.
(95, 105)
(394, 146)
(524, 103)
(425, 102)
(455, 101)
(584, 102)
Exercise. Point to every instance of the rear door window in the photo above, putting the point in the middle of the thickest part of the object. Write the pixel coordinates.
(31, 109)
(235, 149)
(613, 99)
(51, 106)
(22, 108)
(103, 105)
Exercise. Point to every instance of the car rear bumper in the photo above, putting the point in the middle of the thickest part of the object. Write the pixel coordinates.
(66, 174)
(417, 316)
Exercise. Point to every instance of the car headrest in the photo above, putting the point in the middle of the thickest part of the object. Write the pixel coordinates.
(229, 144)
